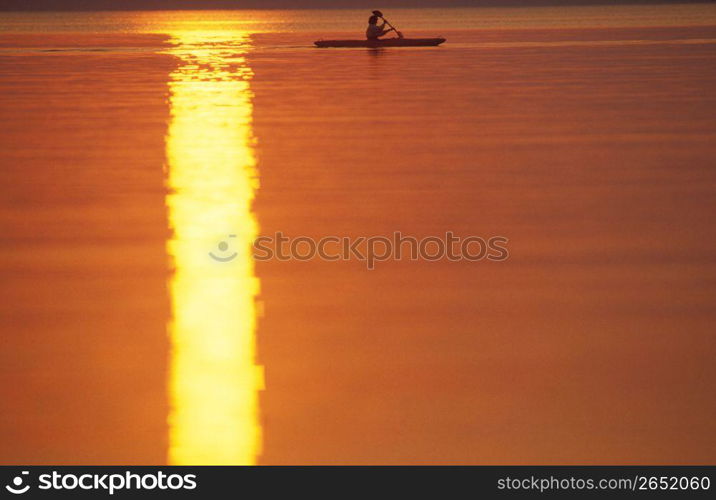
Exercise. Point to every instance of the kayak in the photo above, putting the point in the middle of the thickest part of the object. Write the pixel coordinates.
(388, 42)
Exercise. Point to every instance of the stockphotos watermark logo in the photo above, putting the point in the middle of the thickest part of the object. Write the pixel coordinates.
(17, 486)
(109, 483)
(370, 249)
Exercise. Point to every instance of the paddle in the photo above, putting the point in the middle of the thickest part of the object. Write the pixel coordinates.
(380, 15)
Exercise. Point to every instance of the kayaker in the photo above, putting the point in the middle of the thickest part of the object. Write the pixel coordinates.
(374, 31)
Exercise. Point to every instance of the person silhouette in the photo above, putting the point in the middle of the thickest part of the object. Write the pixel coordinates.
(374, 31)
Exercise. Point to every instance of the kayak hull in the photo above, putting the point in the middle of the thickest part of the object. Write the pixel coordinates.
(388, 42)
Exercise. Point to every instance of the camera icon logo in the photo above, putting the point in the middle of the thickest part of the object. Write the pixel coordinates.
(16, 488)
(224, 249)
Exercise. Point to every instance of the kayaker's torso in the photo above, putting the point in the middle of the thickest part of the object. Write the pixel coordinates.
(373, 31)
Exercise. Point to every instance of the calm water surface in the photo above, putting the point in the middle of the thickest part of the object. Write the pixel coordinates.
(133, 143)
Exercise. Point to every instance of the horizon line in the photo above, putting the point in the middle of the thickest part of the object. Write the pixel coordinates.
(82, 6)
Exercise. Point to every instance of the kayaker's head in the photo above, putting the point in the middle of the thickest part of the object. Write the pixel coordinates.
(373, 20)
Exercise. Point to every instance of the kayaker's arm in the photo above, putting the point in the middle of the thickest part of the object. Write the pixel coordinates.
(385, 31)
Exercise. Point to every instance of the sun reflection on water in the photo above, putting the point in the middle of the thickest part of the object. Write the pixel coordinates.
(214, 380)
